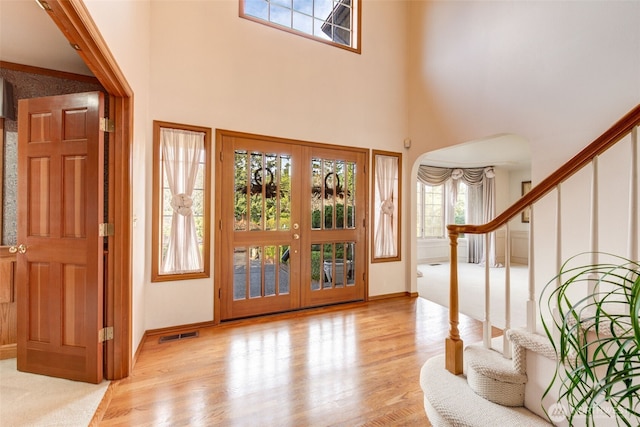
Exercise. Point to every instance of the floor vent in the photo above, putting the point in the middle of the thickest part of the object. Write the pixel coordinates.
(176, 337)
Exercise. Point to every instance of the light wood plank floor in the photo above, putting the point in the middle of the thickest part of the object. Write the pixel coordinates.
(348, 365)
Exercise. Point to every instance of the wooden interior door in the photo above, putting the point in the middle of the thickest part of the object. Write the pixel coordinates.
(276, 252)
(59, 252)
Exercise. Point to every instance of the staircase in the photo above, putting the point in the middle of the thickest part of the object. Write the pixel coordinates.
(505, 380)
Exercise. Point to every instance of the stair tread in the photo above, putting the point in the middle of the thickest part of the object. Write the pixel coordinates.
(457, 404)
(492, 364)
(532, 341)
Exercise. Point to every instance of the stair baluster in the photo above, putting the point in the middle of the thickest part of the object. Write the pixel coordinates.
(626, 125)
(633, 196)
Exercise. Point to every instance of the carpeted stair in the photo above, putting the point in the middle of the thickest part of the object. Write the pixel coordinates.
(449, 401)
(492, 376)
(490, 392)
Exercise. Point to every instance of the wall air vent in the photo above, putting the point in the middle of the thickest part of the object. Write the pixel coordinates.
(184, 335)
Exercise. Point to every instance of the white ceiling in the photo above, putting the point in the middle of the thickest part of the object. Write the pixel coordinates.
(510, 152)
(29, 36)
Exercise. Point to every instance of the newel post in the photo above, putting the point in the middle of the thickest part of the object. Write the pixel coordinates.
(453, 343)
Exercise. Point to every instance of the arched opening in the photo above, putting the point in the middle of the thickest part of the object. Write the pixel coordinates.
(432, 208)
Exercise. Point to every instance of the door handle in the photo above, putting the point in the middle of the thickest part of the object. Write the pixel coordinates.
(20, 249)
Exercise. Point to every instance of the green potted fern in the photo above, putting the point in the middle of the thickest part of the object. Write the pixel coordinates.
(596, 337)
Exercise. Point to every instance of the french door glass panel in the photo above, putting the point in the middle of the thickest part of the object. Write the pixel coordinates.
(260, 271)
(292, 225)
(262, 191)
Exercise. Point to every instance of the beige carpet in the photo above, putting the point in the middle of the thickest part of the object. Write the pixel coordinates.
(434, 286)
(38, 400)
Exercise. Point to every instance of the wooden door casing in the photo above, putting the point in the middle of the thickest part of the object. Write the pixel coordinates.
(300, 238)
(74, 21)
(60, 206)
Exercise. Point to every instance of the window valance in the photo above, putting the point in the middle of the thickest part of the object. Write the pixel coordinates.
(481, 201)
(434, 175)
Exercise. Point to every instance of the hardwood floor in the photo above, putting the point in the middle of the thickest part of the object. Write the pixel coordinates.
(348, 365)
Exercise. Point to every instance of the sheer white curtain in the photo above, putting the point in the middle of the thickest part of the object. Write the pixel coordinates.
(386, 236)
(181, 153)
(489, 212)
(475, 211)
(482, 209)
(481, 200)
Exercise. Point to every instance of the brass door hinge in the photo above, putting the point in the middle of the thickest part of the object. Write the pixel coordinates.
(107, 125)
(106, 229)
(105, 334)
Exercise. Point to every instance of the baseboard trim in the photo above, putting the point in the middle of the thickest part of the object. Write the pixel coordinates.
(393, 295)
(8, 351)
(171, 330)
(177, 329)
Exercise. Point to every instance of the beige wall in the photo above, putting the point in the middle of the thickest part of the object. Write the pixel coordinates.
(206, 66)
(441, 73)
(557, 74)
(125, 27)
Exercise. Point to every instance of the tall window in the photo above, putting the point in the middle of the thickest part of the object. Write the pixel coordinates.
(335, 22)
(182, 172)
(436, 209)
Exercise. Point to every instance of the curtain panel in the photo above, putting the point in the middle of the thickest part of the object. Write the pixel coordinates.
(181, 153)
(386, 237)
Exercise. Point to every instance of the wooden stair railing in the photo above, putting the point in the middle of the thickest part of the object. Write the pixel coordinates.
(453, 344)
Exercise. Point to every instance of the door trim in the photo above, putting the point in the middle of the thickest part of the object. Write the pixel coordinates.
(75, 23)
(220, 133)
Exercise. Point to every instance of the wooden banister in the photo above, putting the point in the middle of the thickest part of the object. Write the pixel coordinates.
(601, 144)
(453, 344)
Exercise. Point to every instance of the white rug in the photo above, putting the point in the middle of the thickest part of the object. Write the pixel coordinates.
(38, 400)
(434, 286)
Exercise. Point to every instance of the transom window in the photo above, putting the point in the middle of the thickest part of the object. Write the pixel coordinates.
(334, 22)
(434, 207)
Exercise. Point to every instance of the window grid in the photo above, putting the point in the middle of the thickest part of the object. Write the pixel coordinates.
(432, 209)
(330, 21)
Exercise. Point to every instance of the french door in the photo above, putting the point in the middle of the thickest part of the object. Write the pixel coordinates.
(292, 222)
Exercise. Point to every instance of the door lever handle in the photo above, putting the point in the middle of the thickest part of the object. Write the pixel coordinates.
(17, 249)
